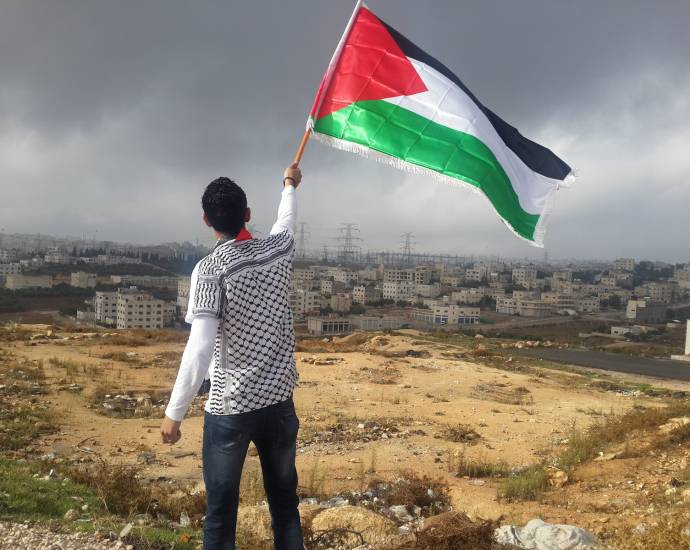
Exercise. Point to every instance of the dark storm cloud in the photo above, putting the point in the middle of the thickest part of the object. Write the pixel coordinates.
(114, 115)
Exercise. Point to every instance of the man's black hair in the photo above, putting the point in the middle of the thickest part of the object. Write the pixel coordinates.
(225, 206)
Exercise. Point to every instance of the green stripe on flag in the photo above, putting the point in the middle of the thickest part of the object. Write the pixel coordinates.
(400, 133)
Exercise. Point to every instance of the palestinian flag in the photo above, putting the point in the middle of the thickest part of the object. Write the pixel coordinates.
(386, 99)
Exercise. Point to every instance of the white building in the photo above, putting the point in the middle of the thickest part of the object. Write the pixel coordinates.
(646, 311)
(624, 264)
(7, 270)
(19, 282)
(80, 279)
(475, 275)
(366, 324)
(446, 314)
(341, 302)
(587, 304)
(144, 280)
(140, 310)
(469, 295)
(366, 294)
(302, 301)
(303, 274)
(346, 277)
(401, 290)
(104, 305)
(452, 280)
(522, 274)
(183, 286)
(429, 291)
(107, 259)
(7, 255)
(57, 257)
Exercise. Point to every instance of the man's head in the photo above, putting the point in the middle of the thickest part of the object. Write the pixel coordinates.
(225, 206)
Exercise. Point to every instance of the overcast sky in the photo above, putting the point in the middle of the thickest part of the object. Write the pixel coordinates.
(114, 115)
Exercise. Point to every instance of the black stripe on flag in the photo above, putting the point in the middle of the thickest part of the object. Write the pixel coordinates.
(536, 157)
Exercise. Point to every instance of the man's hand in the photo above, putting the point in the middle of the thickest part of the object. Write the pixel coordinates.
(170, 431)
(293, 172)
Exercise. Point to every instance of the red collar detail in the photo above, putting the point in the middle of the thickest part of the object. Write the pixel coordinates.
(243, 235)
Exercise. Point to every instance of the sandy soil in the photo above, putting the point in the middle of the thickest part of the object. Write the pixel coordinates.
(522, 419)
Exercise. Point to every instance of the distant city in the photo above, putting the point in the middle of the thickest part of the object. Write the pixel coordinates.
(345, 290)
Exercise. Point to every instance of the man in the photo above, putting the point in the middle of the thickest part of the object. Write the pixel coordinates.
(242, 327)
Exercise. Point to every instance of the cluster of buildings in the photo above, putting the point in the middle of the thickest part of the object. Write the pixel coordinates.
(128, 308)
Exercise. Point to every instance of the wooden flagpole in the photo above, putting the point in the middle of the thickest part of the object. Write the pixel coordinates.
(302, 146)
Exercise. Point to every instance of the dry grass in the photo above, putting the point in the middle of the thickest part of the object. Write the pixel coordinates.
(669, 534)
(460, 433)
(121, 491)
(637, 422)
(503, 393)
(455, 532)
(432, 495)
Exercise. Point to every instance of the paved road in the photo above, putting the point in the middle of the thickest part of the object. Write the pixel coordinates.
(631, 364)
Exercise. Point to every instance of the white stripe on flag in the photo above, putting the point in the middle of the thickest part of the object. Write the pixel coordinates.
(446, 104)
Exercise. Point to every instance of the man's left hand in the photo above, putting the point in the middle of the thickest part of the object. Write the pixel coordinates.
(170, 431)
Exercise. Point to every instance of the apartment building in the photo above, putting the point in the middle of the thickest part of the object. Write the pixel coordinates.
(104, 305)
(429, 291)
(341, 302)
(469, 295)
(522, 274)
(401, 290)
(397, 275)
(57, 257)
(475, 275)
(682, 274)
(140, 310)
(19, 282)
(7, 255)
(527, 294)
(656, 291)
(452, 280)
(80, 279)
(7, 270)
(587, 304)
(303, 274)
(646, 311)
(563, 275)
(346, 277)
(302, 301)
(330, 287)
(624, 264)
(506, 305)
(305, 284)
(366, 294)
(183, 287)
(558, 301)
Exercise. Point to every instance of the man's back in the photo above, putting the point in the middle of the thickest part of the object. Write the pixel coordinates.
(245, 285)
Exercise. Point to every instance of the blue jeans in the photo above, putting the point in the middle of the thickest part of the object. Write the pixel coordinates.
(226, 439)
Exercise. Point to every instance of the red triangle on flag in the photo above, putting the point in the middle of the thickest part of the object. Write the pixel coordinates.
(371, 67)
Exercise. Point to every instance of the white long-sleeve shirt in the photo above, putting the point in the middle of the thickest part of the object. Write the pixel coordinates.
(206, 317)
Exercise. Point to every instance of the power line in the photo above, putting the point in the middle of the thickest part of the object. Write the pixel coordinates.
(348, 253)
(302, 240)
(407, 249)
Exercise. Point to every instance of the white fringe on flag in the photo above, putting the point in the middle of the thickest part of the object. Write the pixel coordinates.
(400, 164)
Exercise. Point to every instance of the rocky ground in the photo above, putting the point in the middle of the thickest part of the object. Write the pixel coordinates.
(371, 407)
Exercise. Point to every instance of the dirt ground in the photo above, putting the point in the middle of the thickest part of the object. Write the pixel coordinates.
(378, 410)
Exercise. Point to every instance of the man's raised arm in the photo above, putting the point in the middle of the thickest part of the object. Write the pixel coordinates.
(287, 211)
